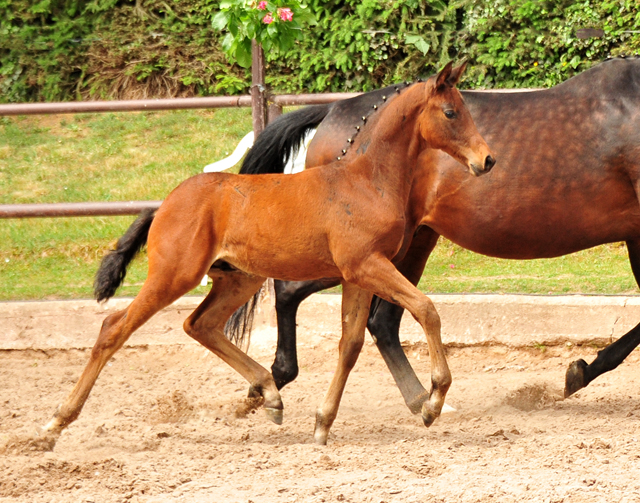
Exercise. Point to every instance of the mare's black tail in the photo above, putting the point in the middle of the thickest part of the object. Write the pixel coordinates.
(270, 153)
(113, 267)
(281, 140)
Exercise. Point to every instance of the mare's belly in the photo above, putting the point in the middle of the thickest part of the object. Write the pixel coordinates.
(553, 217)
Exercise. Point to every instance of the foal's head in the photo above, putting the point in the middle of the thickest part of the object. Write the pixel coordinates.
(446, 124)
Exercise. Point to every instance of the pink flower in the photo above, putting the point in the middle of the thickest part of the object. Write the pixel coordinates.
(262, 5)
(268, 19)
(285, 14)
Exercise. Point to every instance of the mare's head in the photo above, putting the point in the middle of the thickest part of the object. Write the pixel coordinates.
(446, 124)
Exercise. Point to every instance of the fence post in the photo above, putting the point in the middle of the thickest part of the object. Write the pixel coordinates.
(258, 89)
(273, 112)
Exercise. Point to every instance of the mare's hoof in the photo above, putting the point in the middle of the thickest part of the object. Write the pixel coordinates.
(275, 415)
(415, 405)
(575, 379)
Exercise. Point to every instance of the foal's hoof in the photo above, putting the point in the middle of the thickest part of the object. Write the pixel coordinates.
(428, 414)
(254, 393)
(575, 379)
(275, 415)
(320, 437)
(321, 431)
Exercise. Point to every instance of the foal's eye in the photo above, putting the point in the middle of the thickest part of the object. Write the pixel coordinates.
(449, 114)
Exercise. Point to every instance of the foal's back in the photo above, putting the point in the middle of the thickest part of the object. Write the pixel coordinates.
(285, 226)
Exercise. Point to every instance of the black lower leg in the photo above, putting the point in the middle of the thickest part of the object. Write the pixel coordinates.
(580, 374)
(384, 325)
(289, 296)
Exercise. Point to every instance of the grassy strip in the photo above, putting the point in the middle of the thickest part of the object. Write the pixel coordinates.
(601, 270)
(117, 157)
(94, 157)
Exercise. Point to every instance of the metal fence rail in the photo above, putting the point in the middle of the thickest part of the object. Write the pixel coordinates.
(133, 207)
(76, 209)
(165, 104)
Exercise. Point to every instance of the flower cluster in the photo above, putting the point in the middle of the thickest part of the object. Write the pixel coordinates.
(284, 13)
(275, 24)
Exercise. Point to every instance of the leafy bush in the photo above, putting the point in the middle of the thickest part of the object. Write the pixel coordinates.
(274, 24)
(520, 43)
(42, 44)
(365, 44)
(161, 48)
(68, 49)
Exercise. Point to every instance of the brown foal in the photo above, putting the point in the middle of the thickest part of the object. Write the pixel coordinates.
(347, 220)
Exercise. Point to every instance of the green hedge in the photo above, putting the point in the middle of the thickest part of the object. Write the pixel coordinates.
(81, 49)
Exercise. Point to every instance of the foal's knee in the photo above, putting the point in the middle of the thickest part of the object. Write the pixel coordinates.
(189, 327)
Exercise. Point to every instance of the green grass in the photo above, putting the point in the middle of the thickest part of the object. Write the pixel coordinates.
(601, 270)
(125, 156)
(94, 157)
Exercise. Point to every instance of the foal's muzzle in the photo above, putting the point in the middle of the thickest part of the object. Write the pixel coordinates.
(489, 163)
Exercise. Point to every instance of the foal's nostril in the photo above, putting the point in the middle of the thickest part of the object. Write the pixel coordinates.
(489, 163)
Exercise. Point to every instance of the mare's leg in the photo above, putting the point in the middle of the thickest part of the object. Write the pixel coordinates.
(355, 307)
(579, 374)
(155, 294)
(379, 275)
(289, 296)
(384, 322)
(229, 291)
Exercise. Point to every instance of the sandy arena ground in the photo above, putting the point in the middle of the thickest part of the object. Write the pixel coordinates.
(164, 424)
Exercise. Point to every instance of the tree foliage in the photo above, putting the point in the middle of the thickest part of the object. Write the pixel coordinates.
(70, 49)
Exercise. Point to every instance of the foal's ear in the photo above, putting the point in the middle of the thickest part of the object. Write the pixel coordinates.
(456, 74)
(443, 76)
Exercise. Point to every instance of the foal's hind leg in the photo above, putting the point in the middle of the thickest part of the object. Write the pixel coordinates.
(355, 310)
(229, 291)
(579, 374)
(115, 331)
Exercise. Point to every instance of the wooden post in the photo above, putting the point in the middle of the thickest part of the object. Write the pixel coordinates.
(259, 113)
(274, 112)
(258, 89)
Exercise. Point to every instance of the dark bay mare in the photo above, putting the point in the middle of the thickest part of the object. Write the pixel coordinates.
(569, 179)
(347, 220)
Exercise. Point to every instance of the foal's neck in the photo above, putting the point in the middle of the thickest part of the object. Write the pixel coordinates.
(389, 152)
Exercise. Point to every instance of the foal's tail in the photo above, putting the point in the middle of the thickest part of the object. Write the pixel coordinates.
(270, 153)
(113, 267)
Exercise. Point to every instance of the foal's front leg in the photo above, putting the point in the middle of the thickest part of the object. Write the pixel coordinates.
(379, 275)
(384, 322)
(355, 311)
